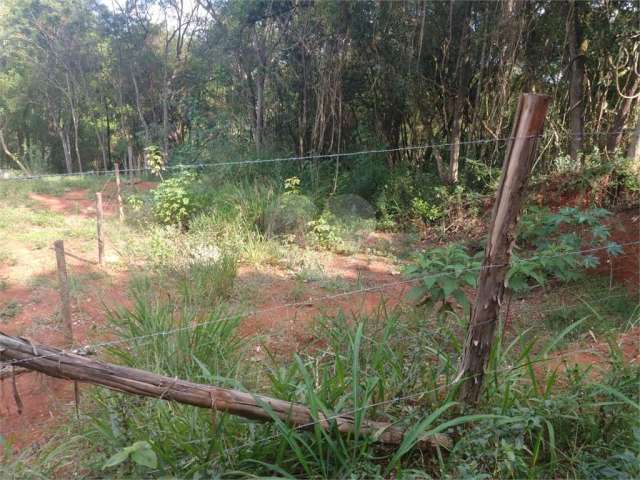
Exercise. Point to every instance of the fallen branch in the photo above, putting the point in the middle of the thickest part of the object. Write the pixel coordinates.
(56, 363)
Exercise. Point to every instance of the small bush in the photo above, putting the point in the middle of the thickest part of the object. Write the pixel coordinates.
(175, 201)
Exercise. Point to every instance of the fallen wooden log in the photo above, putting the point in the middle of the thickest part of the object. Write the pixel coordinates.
(56, 363)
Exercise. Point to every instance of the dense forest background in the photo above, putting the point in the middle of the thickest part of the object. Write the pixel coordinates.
(84, 84)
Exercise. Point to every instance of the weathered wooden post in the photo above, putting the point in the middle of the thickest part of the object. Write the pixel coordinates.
(63, 285)
(521, 150)
(99, 219)
(118, 193)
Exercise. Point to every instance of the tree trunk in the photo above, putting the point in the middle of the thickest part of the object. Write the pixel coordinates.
(106, 111)
(145, 126)
(130, 157)
(259, 112)
(66, 148)
(103, 150)
(615, 135)
(75, 120)
(165, 115)
(576, 93)
(633, 151)
(456, 132)
(11, 156)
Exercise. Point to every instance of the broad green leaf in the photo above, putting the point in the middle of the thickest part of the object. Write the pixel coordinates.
(416, 294)
(144, 455)
(117, 459)
(449, 285)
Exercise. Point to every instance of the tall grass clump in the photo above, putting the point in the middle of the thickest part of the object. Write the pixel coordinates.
(178, 341)
(537, 417)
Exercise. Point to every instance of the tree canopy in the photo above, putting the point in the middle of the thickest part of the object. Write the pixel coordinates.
(84, 83)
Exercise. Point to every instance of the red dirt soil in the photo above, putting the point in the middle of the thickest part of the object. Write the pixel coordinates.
(286, 330)
(625, 269)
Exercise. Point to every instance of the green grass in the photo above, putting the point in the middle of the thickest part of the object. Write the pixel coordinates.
(9, 310)
(389, 365)
(600, 310)
(393, 365)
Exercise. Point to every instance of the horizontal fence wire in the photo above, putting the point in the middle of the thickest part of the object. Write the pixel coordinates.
(371, 289)
(380, 287)
(294, 158)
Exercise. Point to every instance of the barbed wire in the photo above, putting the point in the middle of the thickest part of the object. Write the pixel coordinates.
(380, 287)
(296, 158)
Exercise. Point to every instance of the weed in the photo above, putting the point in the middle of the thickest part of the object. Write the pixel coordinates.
(10, 310)
(6, 258)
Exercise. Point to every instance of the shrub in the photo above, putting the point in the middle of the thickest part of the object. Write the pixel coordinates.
(174, 200)
(443, 274)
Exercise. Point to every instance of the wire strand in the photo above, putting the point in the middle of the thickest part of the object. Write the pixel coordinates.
(294, 158)
(380, 287)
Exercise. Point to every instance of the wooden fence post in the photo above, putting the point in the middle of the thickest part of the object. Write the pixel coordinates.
(118, 193)
(63, 284)
(99, 219)
(521, 151)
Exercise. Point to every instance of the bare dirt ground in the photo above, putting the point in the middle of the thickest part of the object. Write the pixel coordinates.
(31, 284)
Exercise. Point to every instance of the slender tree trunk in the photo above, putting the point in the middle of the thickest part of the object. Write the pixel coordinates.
(66, 148)
(106, 111)
(103, 150)
(461, 89)
(456, 132)
(576, 93)
(259, 113)
(633, 151)
(11, 156)
(130, 156)
(615, 135)
(165, 115)
(144, 123)
(75, 120)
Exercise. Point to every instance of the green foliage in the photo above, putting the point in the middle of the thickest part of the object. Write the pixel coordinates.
(208, 281)
(558, 239)
(140, 453)
(444, 273)
(175, 201)
(292, 186)
(423, 210)
(390, 366)
(323, 232)
(155, 160)
(9, 310)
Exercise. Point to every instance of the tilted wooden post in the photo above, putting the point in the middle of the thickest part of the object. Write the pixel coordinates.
(521, 150)
(99, 219)
(63, 284)
(118, 193)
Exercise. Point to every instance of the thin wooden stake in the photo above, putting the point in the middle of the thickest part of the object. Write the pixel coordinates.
(63, 285)
(118, 193)
(99, 219)
(521, 152)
